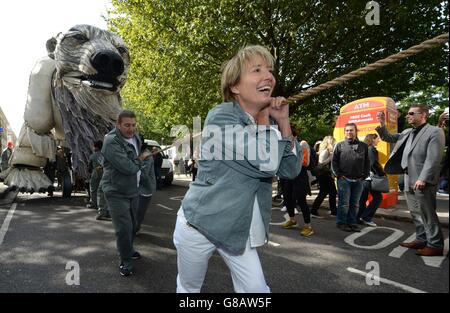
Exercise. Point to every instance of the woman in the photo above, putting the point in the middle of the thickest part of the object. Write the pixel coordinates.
(228, 207)
(325, 178)
(295, 192)
(366, 213)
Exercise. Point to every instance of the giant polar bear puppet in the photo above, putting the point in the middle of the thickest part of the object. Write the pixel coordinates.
(73, 100)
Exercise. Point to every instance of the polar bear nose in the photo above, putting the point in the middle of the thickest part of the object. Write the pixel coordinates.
(107, 63)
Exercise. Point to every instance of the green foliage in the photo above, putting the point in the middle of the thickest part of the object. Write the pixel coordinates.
(435, 97)
(178, 47)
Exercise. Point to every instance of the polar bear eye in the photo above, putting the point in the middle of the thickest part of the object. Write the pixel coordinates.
(122, 50)
(80, 37)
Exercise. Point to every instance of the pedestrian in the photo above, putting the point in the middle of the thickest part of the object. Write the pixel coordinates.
(443, 180)
(366, 212)
(50, 172)
(228, 207)
(327, 186)
(122, 167)
(350, 164)
(158, 161)
(95, 168)
(6, 156)
(147, 186)
(97, 195)
(417, 154)
(296, 190)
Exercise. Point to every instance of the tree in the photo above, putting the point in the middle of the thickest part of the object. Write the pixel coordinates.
(178, 47)
(435, 97)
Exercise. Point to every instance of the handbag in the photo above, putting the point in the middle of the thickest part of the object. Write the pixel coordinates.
(379, 183)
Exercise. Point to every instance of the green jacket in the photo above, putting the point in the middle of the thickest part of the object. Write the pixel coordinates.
(120, 166)
(219, 203)
(95, 166)
(147, 183)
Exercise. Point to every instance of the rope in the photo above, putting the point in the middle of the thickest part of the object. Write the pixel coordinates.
(430, 43)
(436, 41)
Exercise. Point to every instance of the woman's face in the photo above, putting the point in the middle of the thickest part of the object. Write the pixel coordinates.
(376, 141)
(256, 84)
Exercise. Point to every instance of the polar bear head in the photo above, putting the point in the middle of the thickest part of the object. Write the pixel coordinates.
(88, 56)
(91, 68)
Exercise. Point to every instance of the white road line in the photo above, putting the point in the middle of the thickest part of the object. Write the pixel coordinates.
(387, 281)
(274, 244)
(165, 207)
(436, 261)
(6, 222)
(399, 251)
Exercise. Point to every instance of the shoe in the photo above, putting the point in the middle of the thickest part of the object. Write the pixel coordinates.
(283, 209)
(307, 231)
(103, 217)
(125, 271)
(316, 215)
(371, 224)
(354, 228)
(289, 224)
(136, 256)
(91, 206)
(344, 227)
(413, 244)
(430, 251)
(296, 212)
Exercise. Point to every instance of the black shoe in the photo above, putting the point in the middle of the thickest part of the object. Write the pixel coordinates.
(136, 256)
(125, 271)
(344, 227)
(354, 228)
(103, 217)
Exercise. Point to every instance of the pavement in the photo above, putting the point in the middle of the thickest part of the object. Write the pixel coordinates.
(398, 212)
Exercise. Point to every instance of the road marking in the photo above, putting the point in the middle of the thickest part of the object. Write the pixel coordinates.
(397, 234)
(387, 281)
(179, 198)
(6, 222)
(399, 251)
(436, 261)
(274, 244)
(433, 261)
(165, 207)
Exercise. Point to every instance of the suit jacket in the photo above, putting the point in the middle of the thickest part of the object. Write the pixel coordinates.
(424, 156)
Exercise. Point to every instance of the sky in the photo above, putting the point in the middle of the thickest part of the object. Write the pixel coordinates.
(25, 27)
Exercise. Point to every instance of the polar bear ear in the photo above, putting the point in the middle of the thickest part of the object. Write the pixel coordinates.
(51, 45)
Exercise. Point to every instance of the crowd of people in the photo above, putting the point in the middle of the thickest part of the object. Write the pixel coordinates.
(228, 205)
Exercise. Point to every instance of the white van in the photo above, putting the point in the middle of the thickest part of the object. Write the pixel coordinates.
(167, 167)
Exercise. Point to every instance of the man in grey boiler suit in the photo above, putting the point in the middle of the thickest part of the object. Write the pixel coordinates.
(417, 154)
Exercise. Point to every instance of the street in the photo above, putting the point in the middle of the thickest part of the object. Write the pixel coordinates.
(56, 245)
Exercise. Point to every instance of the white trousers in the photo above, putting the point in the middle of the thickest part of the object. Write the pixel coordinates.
(193, 253)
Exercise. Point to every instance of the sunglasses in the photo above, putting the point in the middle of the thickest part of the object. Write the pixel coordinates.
(414, 113)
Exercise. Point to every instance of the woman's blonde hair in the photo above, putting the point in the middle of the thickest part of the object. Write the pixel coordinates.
(370, 138)
(326, 142)
(232, 69)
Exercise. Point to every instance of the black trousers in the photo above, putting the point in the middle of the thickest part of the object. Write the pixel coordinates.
(295, 192)
(326, 187)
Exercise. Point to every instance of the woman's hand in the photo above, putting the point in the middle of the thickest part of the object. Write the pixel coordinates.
(279, 109)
